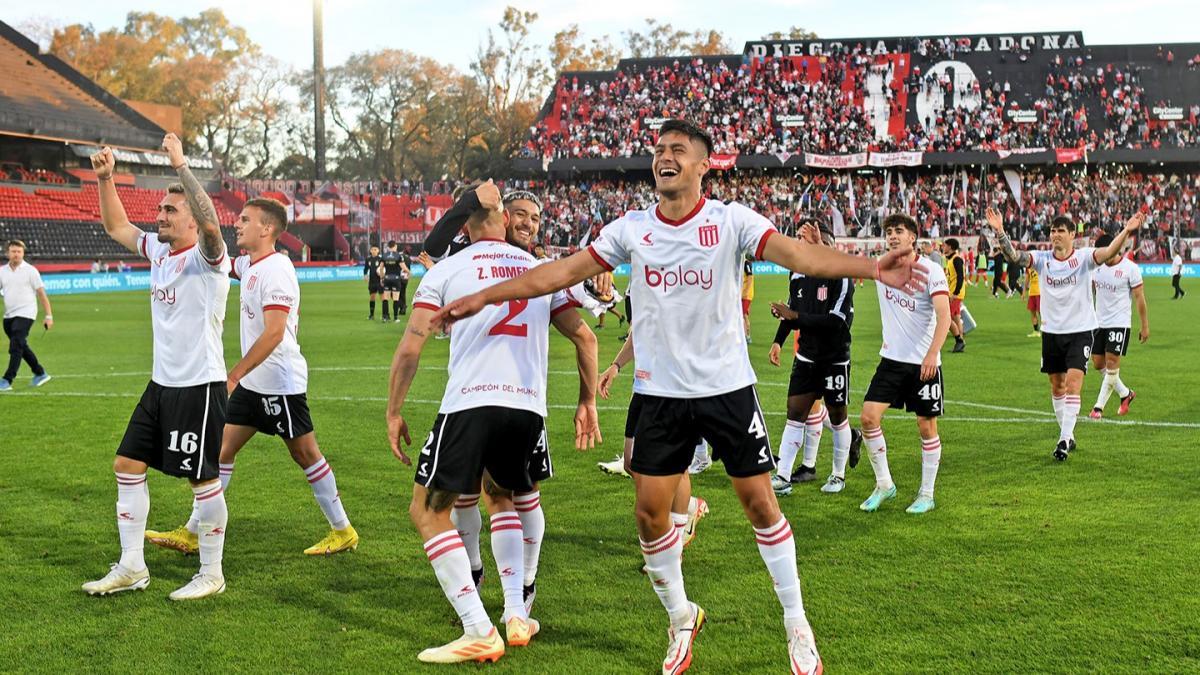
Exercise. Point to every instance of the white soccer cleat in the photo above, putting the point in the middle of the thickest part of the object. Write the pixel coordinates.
(833, 485)
(119, 579)
(201, 586)
(802, 652)
(679, 654)
(781, 486)
(700, 464)
(615, 467)
(694, 517)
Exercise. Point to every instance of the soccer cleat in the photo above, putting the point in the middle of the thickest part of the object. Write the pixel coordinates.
(615, 467)
(39, 380)
(466, 648)
(520, 631)
(924, 504)
(679, 654)
(119, 579)
(878, 496)
(1036, 333)
(1124, 409)
(335, 542)
(802, 652)
(1070, 445)
(856, 439)
(805, 474)
(833, 485)
(529, 592)
(477, 577)
(201, 586)
(700, 464)
(1096, 413)
(781, 487)
(958, 347)
(179, 539)
(694, 517)
(5, 385)
(1061, 451)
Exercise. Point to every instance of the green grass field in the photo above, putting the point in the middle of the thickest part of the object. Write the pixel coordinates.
(1026, 565)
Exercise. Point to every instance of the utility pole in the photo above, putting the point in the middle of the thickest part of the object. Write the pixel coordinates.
(318, 91)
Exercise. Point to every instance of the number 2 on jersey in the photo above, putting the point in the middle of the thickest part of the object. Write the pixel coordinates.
(515, 307)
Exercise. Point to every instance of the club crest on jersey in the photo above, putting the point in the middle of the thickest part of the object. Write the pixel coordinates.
(250, 282)
(708, 234)
(822, 293)
(1073, 262)
(179, 265)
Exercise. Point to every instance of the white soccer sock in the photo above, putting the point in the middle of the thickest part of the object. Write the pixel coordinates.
(825, 423)
(1120, 387)
(680, 520)
(466, 519)
(133, 506)
(778, 551)
(1070, 414)
(664, 566)
(533, 527)
(841, 448)
(214, 515)
(226, 474)
(812, 438)
(1106, 389)
(1058, 408)
(510, 561)
(453, 572)
(931, 458)
(877, 451)
(789, 447)
(324, 487)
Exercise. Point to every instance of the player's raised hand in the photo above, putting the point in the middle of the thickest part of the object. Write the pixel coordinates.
(489, 196)
(899, 269)
(103, 163)
(994, 220)
(773, 355)
(174, 149)
(424, 259)
(606, 379)
(1135, 223)
(398, 429)
(459, 309)
(587, 427)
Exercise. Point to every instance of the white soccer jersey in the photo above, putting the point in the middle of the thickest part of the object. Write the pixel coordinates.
(269, 285)
(187, 309)
(499, 356)
(687, 278)
(1114, 292)
(19, 288)
(1177, 264)
(1066, 291)
(909, 320)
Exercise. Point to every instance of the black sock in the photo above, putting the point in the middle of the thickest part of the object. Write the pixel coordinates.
(958, 338)
(387, 310)
(372, 315)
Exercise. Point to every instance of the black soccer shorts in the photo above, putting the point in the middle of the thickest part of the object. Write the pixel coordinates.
(1066, 351)
(283, 415)
(1110, 341)
(631, 417)
(374, 285)
(177, 430)
(668, 430)
(828, 380)
(391, 283)
(462, 444)
(900, 384)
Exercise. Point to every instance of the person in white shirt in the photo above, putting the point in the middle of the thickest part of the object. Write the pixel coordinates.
(22, 287)
(176, 426)
(1176, 273)
(909, 373)
(268, 386)
(1118, 282)
(693, 367)
(1068, 315)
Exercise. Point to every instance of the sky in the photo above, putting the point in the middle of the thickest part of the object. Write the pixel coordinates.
(451, 32)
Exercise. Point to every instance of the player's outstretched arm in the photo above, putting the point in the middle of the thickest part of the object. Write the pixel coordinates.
(201, 205)
(274, 324)
(538, 281)
(1139, 296)
(897, 269)
(1013, 256)
(941, 309)
(1132, 225)
(622, 359)
(404, 368)
(112, 211)
(587, 419)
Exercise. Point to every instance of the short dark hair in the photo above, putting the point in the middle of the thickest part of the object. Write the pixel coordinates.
(273, 209)
(690, 130)
(1103, 240)
(393, 244)
(15, 242)
(901, 219)
(952, 243)
(1063, 222)
(176, 189)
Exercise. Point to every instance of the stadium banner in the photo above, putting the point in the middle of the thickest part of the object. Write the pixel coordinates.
(1020, 116)
(990, 42)
(851, 161)
(1166, 113)
(1068, 155)
(911, 158)
(790, 120)
(722, 162)
(72, 284)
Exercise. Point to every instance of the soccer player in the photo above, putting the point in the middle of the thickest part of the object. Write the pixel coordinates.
(1176, 274)
(22, 288)
(1033, 302)
(981, 266)
(405, 275)
(693, 369)
(747, 293)
(371, 275)
(1068, 316)
(490, 425)
(969, 259)
(267, 388)
(956, 273)
(998, 285)
(394, 270)
(176, 427)
(822, 310)
(909, 373)
(1117, 282)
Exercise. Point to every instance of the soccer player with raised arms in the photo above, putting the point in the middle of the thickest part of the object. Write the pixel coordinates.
(1118, 283)
(693, 367)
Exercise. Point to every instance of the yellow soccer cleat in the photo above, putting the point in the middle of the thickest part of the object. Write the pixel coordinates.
(466, 648)
(187, 543)
(335, 542)
(521, 631)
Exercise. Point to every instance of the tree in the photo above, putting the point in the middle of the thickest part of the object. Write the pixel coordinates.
(793, 33)
(569, 52)
(663, 39)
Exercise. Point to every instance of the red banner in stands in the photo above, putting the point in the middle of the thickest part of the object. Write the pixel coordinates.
(722, 162)
(896, 158)
(836, 161)
(1068, 155)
